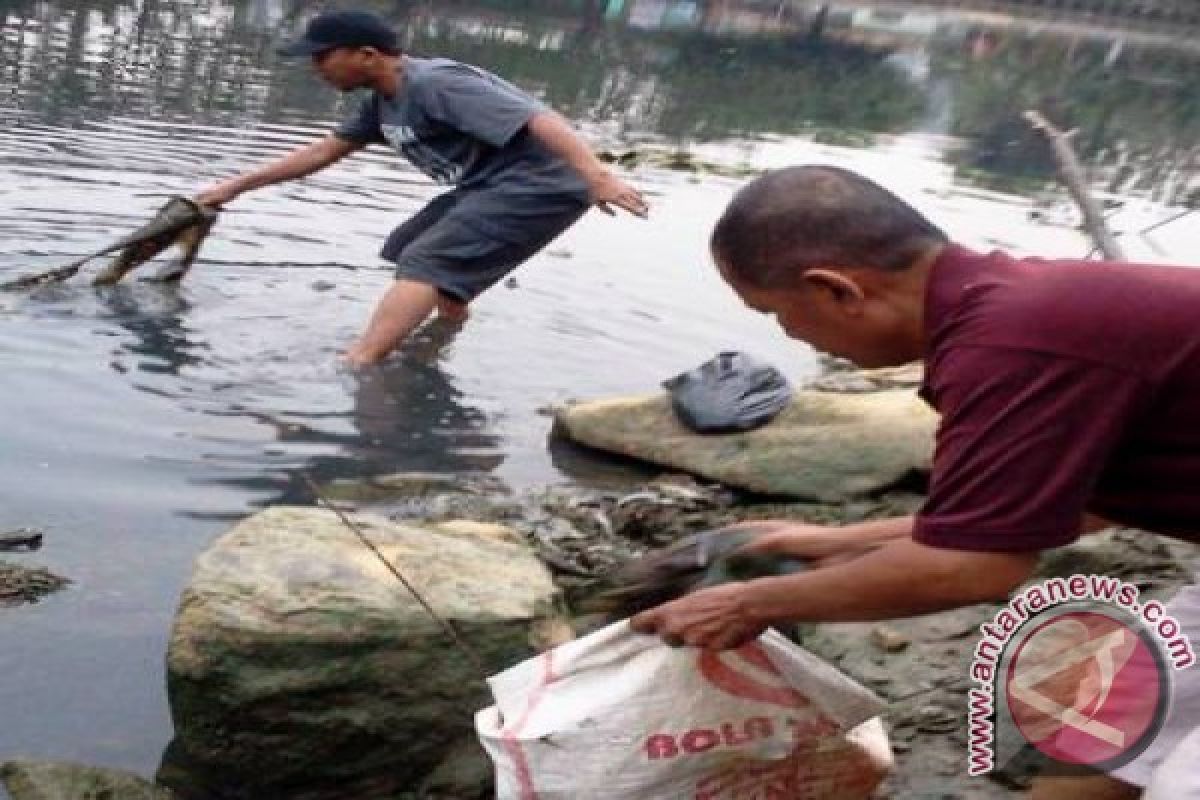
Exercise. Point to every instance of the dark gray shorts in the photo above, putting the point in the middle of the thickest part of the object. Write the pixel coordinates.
(465, 241)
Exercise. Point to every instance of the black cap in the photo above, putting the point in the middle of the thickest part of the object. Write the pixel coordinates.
(343, 29)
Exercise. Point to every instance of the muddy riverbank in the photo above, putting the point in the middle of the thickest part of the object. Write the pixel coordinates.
(919, 666)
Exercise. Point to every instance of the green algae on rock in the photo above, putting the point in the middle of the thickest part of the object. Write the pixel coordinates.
(300, 667)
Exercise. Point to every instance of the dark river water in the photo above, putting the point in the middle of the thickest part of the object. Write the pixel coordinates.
(139, 421)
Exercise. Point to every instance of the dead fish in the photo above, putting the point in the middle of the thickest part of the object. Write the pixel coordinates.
(705, 559)
(180, 221)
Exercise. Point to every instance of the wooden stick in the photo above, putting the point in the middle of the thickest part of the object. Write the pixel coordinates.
(1073, 175)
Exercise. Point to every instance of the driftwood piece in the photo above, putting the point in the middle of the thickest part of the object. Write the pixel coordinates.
(1073, 176)
(20, 585)
(20, 539)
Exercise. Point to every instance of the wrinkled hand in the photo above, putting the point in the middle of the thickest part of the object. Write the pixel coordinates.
(217, 195)
(607, 188)
(714, 619)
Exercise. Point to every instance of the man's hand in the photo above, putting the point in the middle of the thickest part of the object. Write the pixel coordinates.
(607, 188)
(715, 619)
(304, 160)
(219, 194)
(899, 578)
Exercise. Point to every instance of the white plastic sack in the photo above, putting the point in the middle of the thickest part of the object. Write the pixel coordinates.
(621, 716)
(1177, 778)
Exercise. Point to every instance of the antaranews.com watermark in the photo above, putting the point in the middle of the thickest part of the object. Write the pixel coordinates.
(1076, 666)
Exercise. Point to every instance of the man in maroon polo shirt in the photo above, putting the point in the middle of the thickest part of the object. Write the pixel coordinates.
(1066, 389)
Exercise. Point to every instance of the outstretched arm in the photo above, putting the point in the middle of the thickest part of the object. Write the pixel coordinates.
(559, 137)
(902, 578)
(818, 543)
(296, 164)
(826, 544)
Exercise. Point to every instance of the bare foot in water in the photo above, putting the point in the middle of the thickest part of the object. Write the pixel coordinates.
(355, 359)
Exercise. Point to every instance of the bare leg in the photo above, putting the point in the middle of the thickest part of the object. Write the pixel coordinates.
(451, 310)
(1092, 787)
(401, 309)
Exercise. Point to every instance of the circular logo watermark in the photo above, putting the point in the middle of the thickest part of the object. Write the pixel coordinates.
(1086, 685)
(1078, 669)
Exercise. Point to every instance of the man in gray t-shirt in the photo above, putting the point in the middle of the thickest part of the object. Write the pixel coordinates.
(520, 174)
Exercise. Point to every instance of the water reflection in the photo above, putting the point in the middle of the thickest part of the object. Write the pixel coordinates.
(407, 415)
(144, 418)
(689, 71)
(1108, 92)
(411, 416)
(155, 314)
(212, 61)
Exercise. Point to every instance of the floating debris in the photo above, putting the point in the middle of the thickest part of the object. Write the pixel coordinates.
(181, 221)
(21, 539)
(20, 585)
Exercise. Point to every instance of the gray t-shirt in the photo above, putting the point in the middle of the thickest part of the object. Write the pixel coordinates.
(463, 126)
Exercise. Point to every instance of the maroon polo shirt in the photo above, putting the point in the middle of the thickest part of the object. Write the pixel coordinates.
(1064, 387)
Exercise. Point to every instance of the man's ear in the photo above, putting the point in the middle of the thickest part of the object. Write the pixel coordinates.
(837, 286)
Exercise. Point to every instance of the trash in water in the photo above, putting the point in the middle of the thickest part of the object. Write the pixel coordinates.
(180, 221)
(731, 392)
(21, 539)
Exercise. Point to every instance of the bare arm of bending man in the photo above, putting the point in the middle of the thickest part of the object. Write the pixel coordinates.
(302, 161)
(559, 137)
(900, 578)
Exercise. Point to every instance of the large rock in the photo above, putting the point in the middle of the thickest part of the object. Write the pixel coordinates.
(60, 780)
(300, 667)
(842, 376)
(826, 446)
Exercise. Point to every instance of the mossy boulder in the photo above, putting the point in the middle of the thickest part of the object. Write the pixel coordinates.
(300, 667)
(27, 779)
